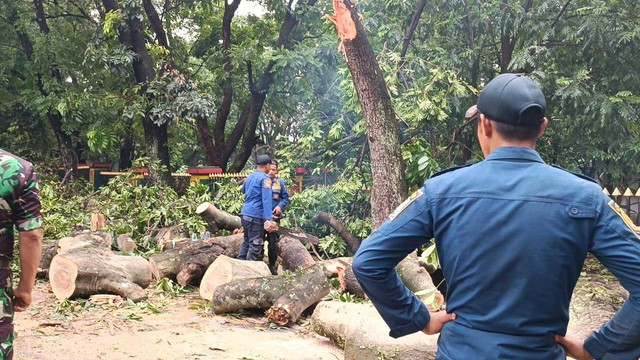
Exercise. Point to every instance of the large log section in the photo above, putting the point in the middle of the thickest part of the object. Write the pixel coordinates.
(189, 260)
(363, 334)
(85, 265)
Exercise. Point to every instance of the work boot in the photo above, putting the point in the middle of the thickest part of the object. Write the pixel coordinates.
(274, 269)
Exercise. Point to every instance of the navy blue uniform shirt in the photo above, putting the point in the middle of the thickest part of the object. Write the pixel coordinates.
(512, 234)
(257, 196)
(280, 194)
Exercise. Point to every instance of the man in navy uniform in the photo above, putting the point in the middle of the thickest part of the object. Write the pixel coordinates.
(256, 215)
(279, 202)
(512, 235)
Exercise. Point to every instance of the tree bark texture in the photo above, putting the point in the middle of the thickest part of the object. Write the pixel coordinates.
(87, 266)
(189, 260)
(225, 269)
(339, 227)
(294, 255)
(263, 292)
(363, 335)
(418, 280)
(217, 219)
(387, 168)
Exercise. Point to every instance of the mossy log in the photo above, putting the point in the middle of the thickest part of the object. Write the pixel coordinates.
(264, 292)
(363, 335)
(188, 260)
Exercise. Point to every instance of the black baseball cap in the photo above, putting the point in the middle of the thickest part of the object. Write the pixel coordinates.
(263, 160)
(511, 99)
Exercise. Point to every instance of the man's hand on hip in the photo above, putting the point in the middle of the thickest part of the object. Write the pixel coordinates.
(437, 321)
(575, 347)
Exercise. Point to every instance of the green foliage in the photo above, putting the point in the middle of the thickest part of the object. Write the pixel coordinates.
(169, 287)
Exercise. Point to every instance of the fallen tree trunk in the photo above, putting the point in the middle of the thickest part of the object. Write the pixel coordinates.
(87, 266)
(339, 227)
(331, 266)
(48, 252)
(264, 292)
(189, 260)
(363, 334)
(217, 219)
(348, 282)
(294, 255)
(418, 280)
(225, 269)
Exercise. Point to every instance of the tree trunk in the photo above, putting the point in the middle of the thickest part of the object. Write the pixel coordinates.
(126, 149)
(48, 252)
(189, 260)
(294, 255)
(331, 267)
(86, 266)
(217, 219)
(339, 227)
(225, 269)
(407, 40)
(418, 280)
(389, 188)
(348, 281)
(262, 293)
(363, 334)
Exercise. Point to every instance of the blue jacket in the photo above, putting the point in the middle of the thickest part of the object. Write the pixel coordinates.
(512, 234)
(257, 192)
(280, 194)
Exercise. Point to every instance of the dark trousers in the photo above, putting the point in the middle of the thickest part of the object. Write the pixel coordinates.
(272, 247)
(253, 245)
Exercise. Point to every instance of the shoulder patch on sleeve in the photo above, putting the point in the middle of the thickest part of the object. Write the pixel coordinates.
(450, 170)
(582, 176)
(405, 204)
(267, 183)
(625, 218)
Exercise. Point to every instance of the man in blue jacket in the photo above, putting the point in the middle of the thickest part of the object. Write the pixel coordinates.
(512, 234)
(256, 215)
(279, 202)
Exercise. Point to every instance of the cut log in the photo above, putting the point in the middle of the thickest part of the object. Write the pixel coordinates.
(331, 266)
(262, 292)
(190, 259)
(96, 239)
(348, 281)
(225, 269)
(85, 268)
(293, 254)
(125, 243)
(307, 291)
(339, 227)
(418, 280)
(48, 252)
(363, 334)
(168, 237)
(98, 222)
(218, 219)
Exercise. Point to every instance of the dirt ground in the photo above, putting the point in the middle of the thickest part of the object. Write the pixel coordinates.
(182, 330)
(181, 327)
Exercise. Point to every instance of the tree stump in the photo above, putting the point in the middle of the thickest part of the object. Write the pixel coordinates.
(189, 260)
(362, 333)
(87, 266)
(225, 269)
(125, 243)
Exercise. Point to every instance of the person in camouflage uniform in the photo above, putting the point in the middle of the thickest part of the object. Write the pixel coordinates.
(19, 207)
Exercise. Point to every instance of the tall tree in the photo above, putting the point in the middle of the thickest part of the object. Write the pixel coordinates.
(389, 188)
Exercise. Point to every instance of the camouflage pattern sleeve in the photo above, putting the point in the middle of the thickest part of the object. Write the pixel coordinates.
(26, 206)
